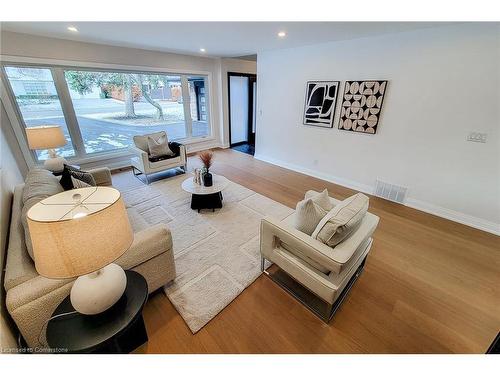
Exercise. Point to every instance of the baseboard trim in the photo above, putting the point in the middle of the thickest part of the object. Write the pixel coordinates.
(322, 176)
(471, 221)
(459, 217)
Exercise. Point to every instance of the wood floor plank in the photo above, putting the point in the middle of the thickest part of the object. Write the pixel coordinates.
(430, 285)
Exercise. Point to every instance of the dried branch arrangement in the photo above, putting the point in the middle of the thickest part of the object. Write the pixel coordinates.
(206, 158)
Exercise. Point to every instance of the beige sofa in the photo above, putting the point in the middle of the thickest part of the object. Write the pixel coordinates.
(31, 298)
(325, 271)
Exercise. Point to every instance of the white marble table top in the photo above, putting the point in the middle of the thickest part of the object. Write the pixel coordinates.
(219, 183)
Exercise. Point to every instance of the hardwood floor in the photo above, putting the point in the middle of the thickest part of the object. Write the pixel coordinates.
(430, 286)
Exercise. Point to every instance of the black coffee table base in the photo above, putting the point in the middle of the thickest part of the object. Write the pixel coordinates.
(206, 201)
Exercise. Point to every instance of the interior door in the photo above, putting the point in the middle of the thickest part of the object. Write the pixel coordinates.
(252, 109)
(239, 109)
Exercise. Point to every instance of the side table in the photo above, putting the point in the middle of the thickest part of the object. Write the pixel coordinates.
(120, 329)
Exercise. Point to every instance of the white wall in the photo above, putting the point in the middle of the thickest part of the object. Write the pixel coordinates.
(443, 83)
(10, 176)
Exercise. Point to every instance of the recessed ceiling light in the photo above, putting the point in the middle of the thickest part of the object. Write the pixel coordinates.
(281, 34)
(203, 50)
(72, 28)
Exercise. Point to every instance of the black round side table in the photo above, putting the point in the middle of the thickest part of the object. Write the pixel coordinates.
(120, 329)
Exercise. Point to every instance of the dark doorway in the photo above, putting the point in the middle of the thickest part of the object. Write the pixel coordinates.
(199, 91)
(242, 95)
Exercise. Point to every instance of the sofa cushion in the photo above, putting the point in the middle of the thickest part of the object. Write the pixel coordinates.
(342, 220)
(155, 159)
(311, 262)
(137, 221)
(165, 163)
(148, 243)
(308, 215)
(39, 184)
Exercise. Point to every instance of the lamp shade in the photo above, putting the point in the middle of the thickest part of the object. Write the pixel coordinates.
(45, 137)
(78, 231)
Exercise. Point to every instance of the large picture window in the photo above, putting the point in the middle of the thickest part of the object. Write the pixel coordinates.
(38, 102)
(106, 109)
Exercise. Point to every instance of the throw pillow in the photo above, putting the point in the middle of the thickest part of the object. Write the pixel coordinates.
(158, 146)
(77, 184)
(70, 172)
(307, 216)
(141, 141)
(39, 184)
(342, 220)
(321, 199)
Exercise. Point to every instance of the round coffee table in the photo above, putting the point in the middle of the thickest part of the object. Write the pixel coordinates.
(206, 197)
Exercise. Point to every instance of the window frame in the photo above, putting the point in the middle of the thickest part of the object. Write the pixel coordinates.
(57, 69)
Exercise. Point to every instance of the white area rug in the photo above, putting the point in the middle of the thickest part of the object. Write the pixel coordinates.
(216, 253)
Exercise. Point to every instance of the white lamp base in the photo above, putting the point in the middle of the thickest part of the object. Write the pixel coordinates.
(55, 164)
(98, 291)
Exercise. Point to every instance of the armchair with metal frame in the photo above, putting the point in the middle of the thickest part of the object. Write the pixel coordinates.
(316, 274)
(142, 163)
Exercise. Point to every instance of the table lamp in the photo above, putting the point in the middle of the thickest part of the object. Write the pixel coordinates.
(48, 137)
(81, 232)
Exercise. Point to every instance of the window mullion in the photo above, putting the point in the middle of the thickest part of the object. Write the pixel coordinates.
(16, 121)
(186, 101)
(68, 111)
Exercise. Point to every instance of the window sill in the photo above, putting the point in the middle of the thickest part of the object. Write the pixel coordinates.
(123, 153)
(194, 140)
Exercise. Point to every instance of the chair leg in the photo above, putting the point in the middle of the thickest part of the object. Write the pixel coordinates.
(262, 264)
(136, 172)
(147, 179)
(324, 310)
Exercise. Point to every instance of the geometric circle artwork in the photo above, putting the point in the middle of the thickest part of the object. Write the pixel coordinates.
(361, 106)
(320, 103)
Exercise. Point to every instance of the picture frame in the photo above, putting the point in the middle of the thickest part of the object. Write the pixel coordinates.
(320, 103)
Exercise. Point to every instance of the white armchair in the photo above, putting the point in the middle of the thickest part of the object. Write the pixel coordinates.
(326, 272)
(143, 164)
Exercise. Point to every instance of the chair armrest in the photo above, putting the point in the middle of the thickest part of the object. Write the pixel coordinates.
(179, 149)
(273, 232)
(32, 290)
(102, 176)
(143, 155)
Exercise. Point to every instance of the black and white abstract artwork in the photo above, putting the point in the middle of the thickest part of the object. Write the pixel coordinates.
(321, 100)
(361, 106)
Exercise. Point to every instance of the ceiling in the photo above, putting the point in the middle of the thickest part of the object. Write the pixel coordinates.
(224, 39)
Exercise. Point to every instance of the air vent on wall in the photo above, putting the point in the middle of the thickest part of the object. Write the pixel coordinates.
(390, 192)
